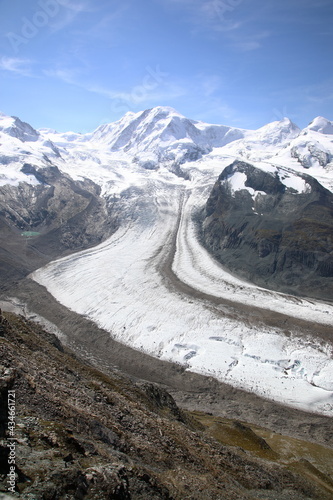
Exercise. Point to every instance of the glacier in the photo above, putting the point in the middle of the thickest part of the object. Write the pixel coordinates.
(152, 285)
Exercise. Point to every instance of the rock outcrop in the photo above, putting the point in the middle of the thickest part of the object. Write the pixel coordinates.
(273, 228)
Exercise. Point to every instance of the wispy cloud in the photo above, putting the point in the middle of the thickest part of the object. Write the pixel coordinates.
(210, 15)
(320, 93)
(247, 43)
(139, 95)
(16, 65)
(70, 10)
(230, 20)
(106, 25)
(216, 110)
(304, 100)
(155, 86)
(64, 74)
(210, 84)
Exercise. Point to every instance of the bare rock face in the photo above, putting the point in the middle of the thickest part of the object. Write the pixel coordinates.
(274, 229)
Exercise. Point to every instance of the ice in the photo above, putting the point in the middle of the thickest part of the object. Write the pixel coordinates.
(119, 285)
(125, 285)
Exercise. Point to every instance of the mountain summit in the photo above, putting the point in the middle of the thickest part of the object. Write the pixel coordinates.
(321, 125)
(14, 127)
(165, 134)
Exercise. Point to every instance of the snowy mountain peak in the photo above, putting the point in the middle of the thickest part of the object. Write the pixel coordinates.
(13, 126)
(278, 131)
(165, 135)
(47, 131)
(164, 111)
(322, 125)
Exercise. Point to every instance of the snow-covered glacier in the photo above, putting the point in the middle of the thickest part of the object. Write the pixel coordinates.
(123, 286)
(153, 286)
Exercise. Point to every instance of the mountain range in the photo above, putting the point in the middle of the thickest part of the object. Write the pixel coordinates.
(132, 224)
(111, 160)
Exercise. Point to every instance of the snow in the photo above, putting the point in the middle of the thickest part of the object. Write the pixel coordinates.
(321, 125)
(118, 285)
(263, 143)
(162, 129)
(121, 284)
(14, 127)
(296, 183)
(14, 177)
(236, 182)
(197, 268)
(6, 121)
(277, 132)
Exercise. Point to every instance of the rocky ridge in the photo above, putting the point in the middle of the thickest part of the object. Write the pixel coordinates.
(272, 228)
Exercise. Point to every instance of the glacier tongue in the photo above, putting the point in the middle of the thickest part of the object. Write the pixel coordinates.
(127, 287)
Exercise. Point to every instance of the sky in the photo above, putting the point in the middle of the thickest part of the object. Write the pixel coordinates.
(76, 64)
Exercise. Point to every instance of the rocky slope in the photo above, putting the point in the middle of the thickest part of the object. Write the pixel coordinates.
(309, 149)
(273, 228)
(83, 433)
(56, 216)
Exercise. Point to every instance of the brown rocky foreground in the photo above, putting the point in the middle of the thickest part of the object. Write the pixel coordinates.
(83, 433)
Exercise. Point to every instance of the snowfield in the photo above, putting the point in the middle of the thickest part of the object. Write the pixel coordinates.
(132, 285)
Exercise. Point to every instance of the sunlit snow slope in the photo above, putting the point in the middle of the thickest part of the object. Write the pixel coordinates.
(131, 284)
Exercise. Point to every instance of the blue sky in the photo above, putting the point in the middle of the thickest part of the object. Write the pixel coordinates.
(75, 64)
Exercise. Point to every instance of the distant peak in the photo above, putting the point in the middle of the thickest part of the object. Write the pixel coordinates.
(287, 122)
(283, 123)
(322, 125)
(129, 113)
(167, 110)
(13, 126)
(47, 131)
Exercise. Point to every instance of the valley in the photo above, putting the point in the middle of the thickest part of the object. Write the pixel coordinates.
(126, 288)
(118, 244)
